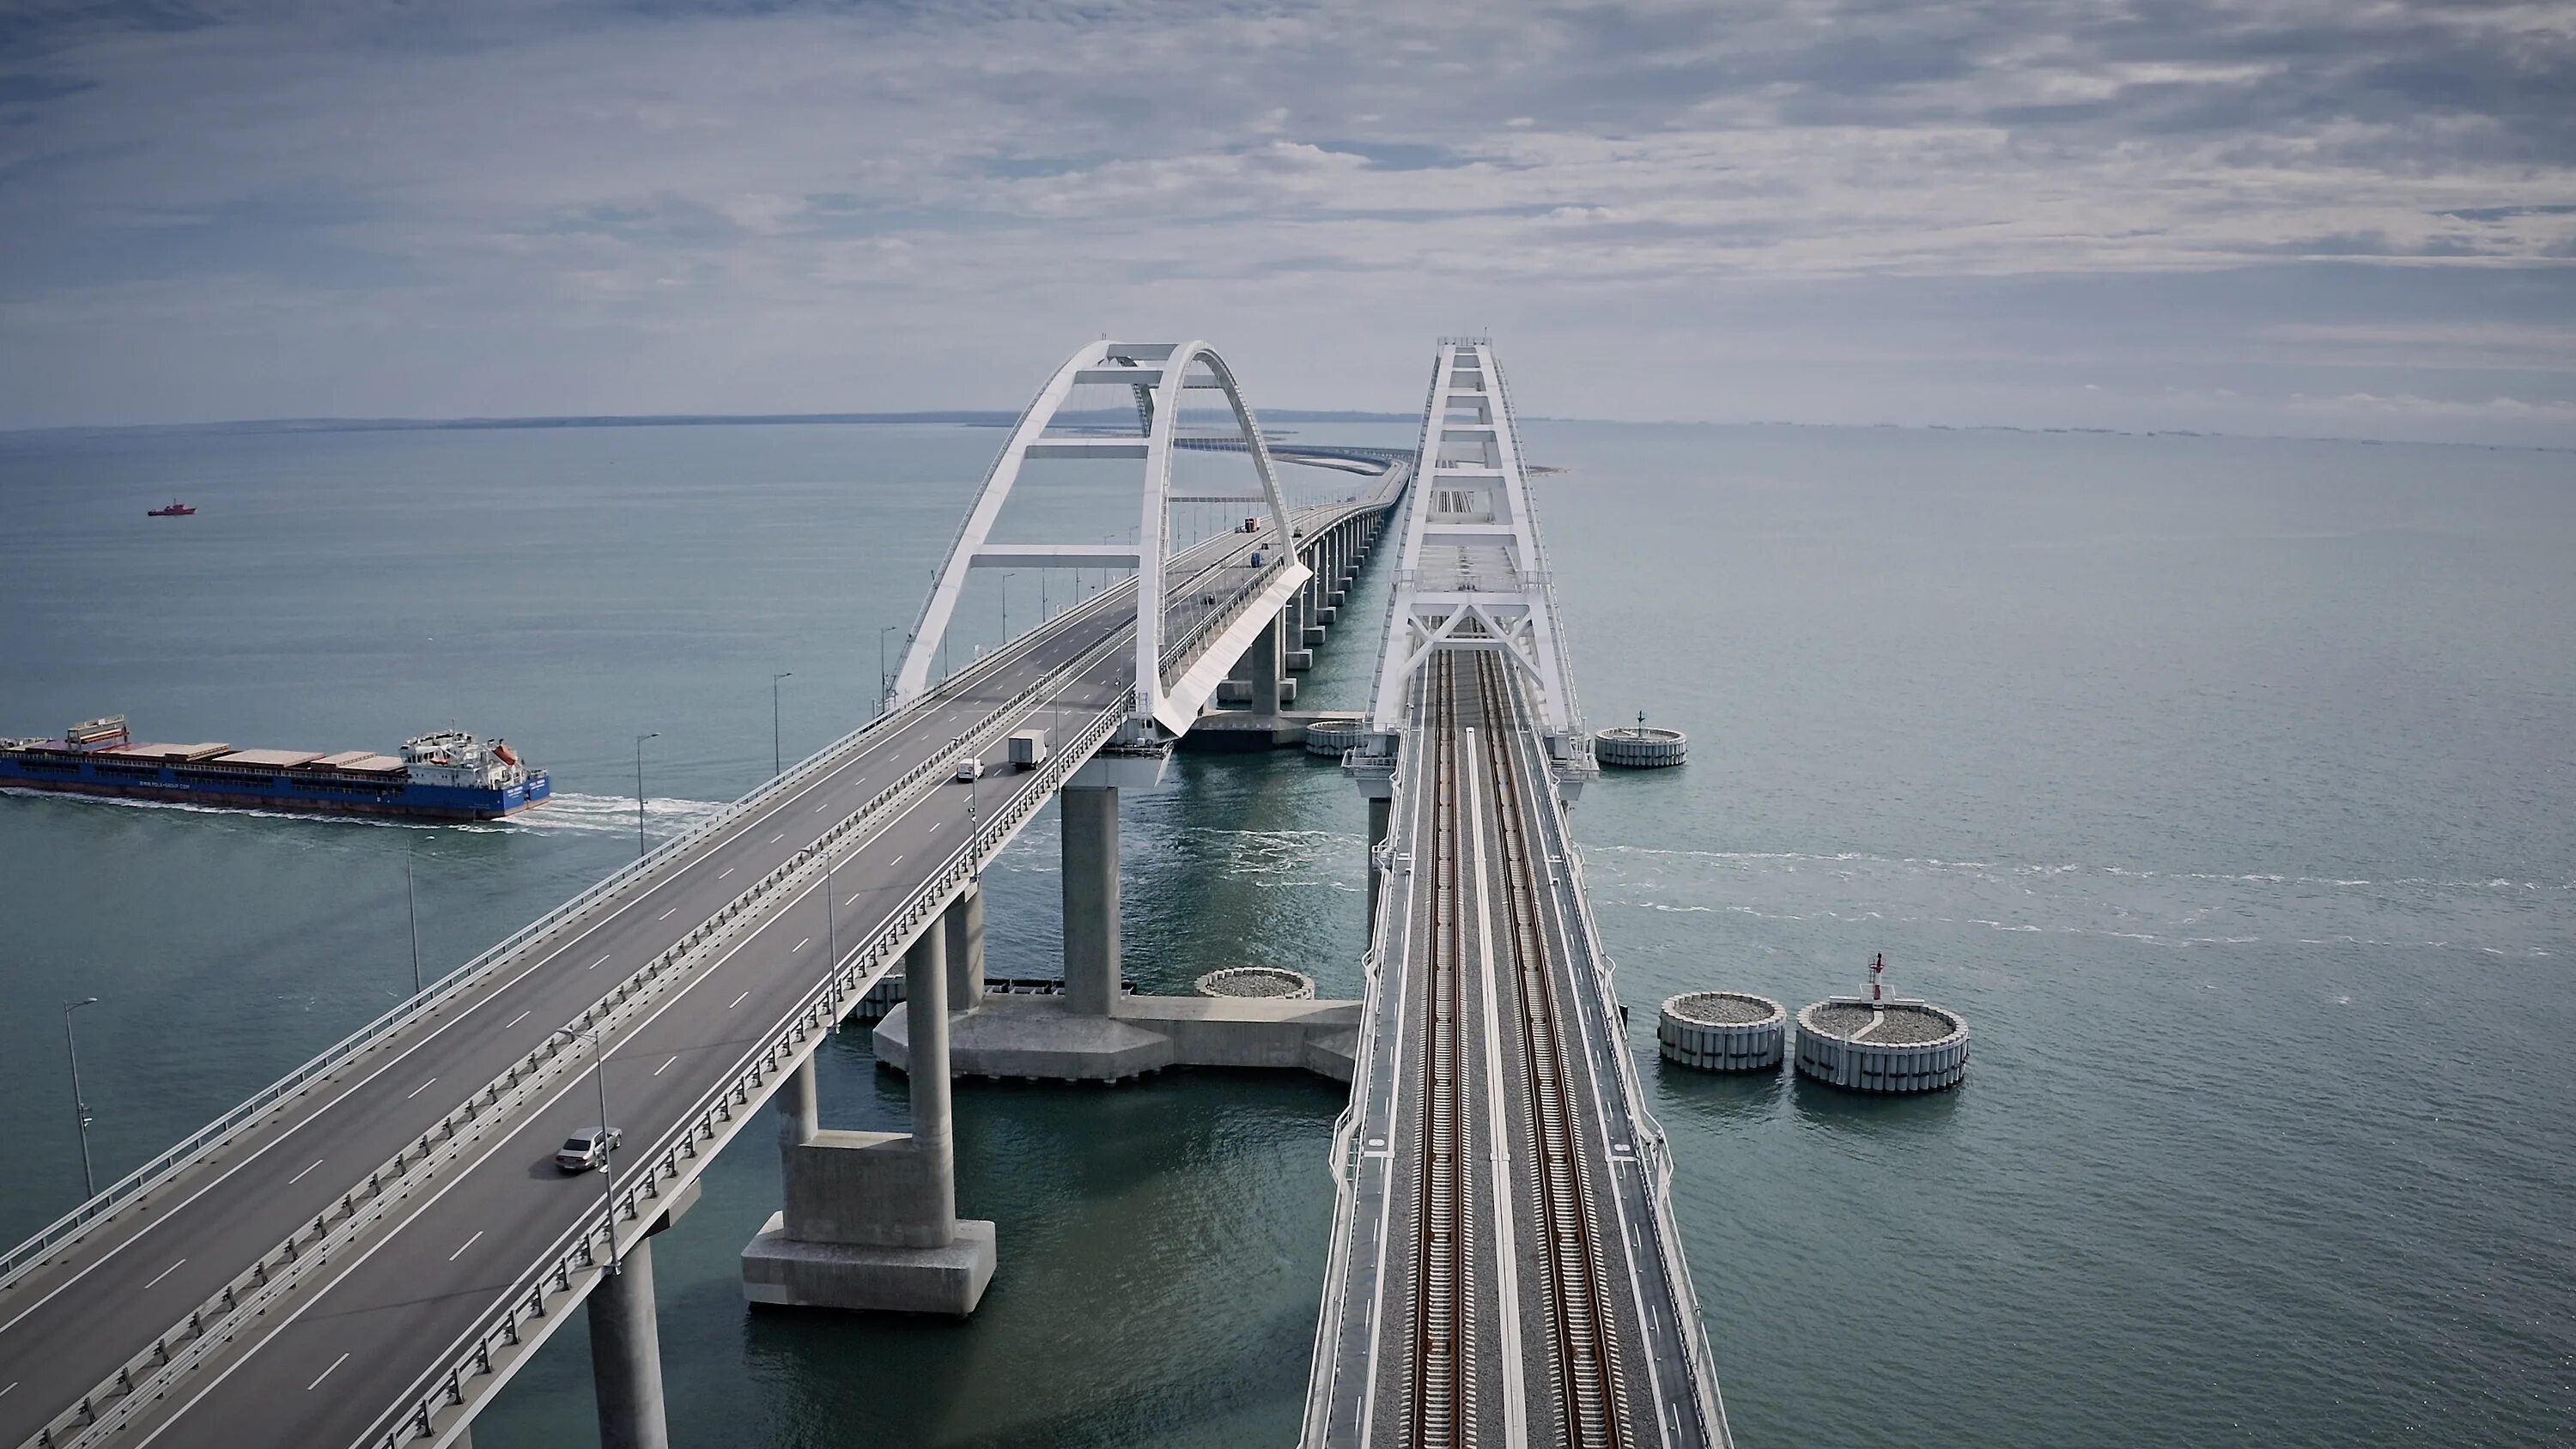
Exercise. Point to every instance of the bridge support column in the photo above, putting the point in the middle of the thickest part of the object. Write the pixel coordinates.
(1267, 671)
(964, 924)
(626, 1355)
(1379, 807)
(871, 1217)
(1090, 870)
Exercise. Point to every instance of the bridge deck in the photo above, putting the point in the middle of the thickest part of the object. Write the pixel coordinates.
(1504, 1269)
(330, 1364)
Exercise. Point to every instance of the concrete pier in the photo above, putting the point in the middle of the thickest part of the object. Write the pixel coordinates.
(964, 924)
(626, 1343)
(626, 1355)
(1090, 870)
(871, 1217)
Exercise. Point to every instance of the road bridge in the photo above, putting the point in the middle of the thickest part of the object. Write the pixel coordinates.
(1504, 1267)
(367, 1250)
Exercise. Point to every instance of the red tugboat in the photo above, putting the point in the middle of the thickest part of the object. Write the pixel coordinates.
(176, 509)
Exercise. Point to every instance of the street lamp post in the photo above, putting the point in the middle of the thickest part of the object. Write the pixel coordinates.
(80, 1108)
(411, 901)
(639, 790)
(1006, 606)
(831, 918)
(607, 1152)
(777, 759)
(885, 680)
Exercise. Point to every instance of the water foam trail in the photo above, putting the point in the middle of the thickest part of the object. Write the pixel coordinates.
(2181, 909)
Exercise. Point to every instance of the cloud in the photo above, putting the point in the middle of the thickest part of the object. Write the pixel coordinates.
(589, 186)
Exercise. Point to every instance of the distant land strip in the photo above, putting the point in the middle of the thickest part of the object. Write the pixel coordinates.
(961, 417)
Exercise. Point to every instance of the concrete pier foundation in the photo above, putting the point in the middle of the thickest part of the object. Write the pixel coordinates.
(871, 1217)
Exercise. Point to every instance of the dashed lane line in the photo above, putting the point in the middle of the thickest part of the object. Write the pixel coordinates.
(416, 1091)
(166, 1272)
(299, 1177)
(469, 1242)
(326, 1373)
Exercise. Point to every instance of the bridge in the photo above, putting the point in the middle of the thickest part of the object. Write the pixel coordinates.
(366, 1251)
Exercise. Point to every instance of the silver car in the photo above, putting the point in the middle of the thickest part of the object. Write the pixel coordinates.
(585, 1150)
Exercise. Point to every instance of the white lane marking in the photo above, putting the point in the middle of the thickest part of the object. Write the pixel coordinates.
(801, 945)
(469, 1242)
(666, 915)
(416, 1091)
(666, 1066)
(782, 835)
(595, 965)
(819, 809)
(737, 1001)
(514, 1021)
(935, 824)
(166, 1272)
(326, 1373)
(728, 870)
(4, 1393)
(898, 860)
(299, 1177)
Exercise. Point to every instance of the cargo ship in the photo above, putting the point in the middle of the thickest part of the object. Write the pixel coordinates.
(450, 775)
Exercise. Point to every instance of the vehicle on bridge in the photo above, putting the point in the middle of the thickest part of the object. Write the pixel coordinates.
(588, 1150)
(970, 768)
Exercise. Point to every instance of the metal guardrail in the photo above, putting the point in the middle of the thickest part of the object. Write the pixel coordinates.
(1677, 1279)
(681, 1152)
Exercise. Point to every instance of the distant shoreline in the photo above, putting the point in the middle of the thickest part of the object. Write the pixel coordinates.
(999, 418)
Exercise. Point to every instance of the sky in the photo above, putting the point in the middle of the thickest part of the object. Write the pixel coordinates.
(2309, 217)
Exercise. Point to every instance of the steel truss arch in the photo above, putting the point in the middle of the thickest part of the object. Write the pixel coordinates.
(1160, 373)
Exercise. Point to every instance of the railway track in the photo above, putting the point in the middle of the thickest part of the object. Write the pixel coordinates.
(1592, 1392)
(1585, 1385)
(1444, 1325)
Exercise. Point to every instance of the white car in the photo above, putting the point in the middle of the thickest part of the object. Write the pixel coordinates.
(970, 768)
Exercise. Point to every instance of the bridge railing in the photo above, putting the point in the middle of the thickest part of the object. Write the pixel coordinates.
(681, 1152)
(1586, 940)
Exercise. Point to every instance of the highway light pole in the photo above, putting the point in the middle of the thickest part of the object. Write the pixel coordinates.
(1006, 606)
(607, 1151)
(885, 681)
(777, 760)
(639, 790)
(80, 1109)
(411, 900)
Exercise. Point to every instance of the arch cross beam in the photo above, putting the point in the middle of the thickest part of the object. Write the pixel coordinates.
(1157, 373)
(1472, 573)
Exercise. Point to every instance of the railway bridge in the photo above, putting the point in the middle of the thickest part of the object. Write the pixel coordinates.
(366, 1251)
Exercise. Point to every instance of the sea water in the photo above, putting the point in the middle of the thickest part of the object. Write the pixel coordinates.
(2225, 785)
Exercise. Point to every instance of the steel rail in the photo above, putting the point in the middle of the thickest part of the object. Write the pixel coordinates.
(1585, 1342)
(1443, 1361)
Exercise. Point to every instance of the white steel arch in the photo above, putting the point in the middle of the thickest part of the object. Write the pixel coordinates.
(1159, 373)
(1472, 571)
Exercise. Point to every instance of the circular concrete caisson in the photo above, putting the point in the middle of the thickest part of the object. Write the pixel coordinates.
(1334, 736)
(1887, 1046)
(1275, 982)
(1640, 747)
(1722, 1031)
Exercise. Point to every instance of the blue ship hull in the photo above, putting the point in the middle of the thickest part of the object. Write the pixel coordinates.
(240, 789)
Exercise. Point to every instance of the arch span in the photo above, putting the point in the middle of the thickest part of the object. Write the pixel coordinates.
(1159, 373)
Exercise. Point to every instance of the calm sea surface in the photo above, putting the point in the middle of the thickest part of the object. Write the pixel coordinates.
(2227, 786)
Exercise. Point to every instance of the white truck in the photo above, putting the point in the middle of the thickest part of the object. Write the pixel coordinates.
(1028, 749)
